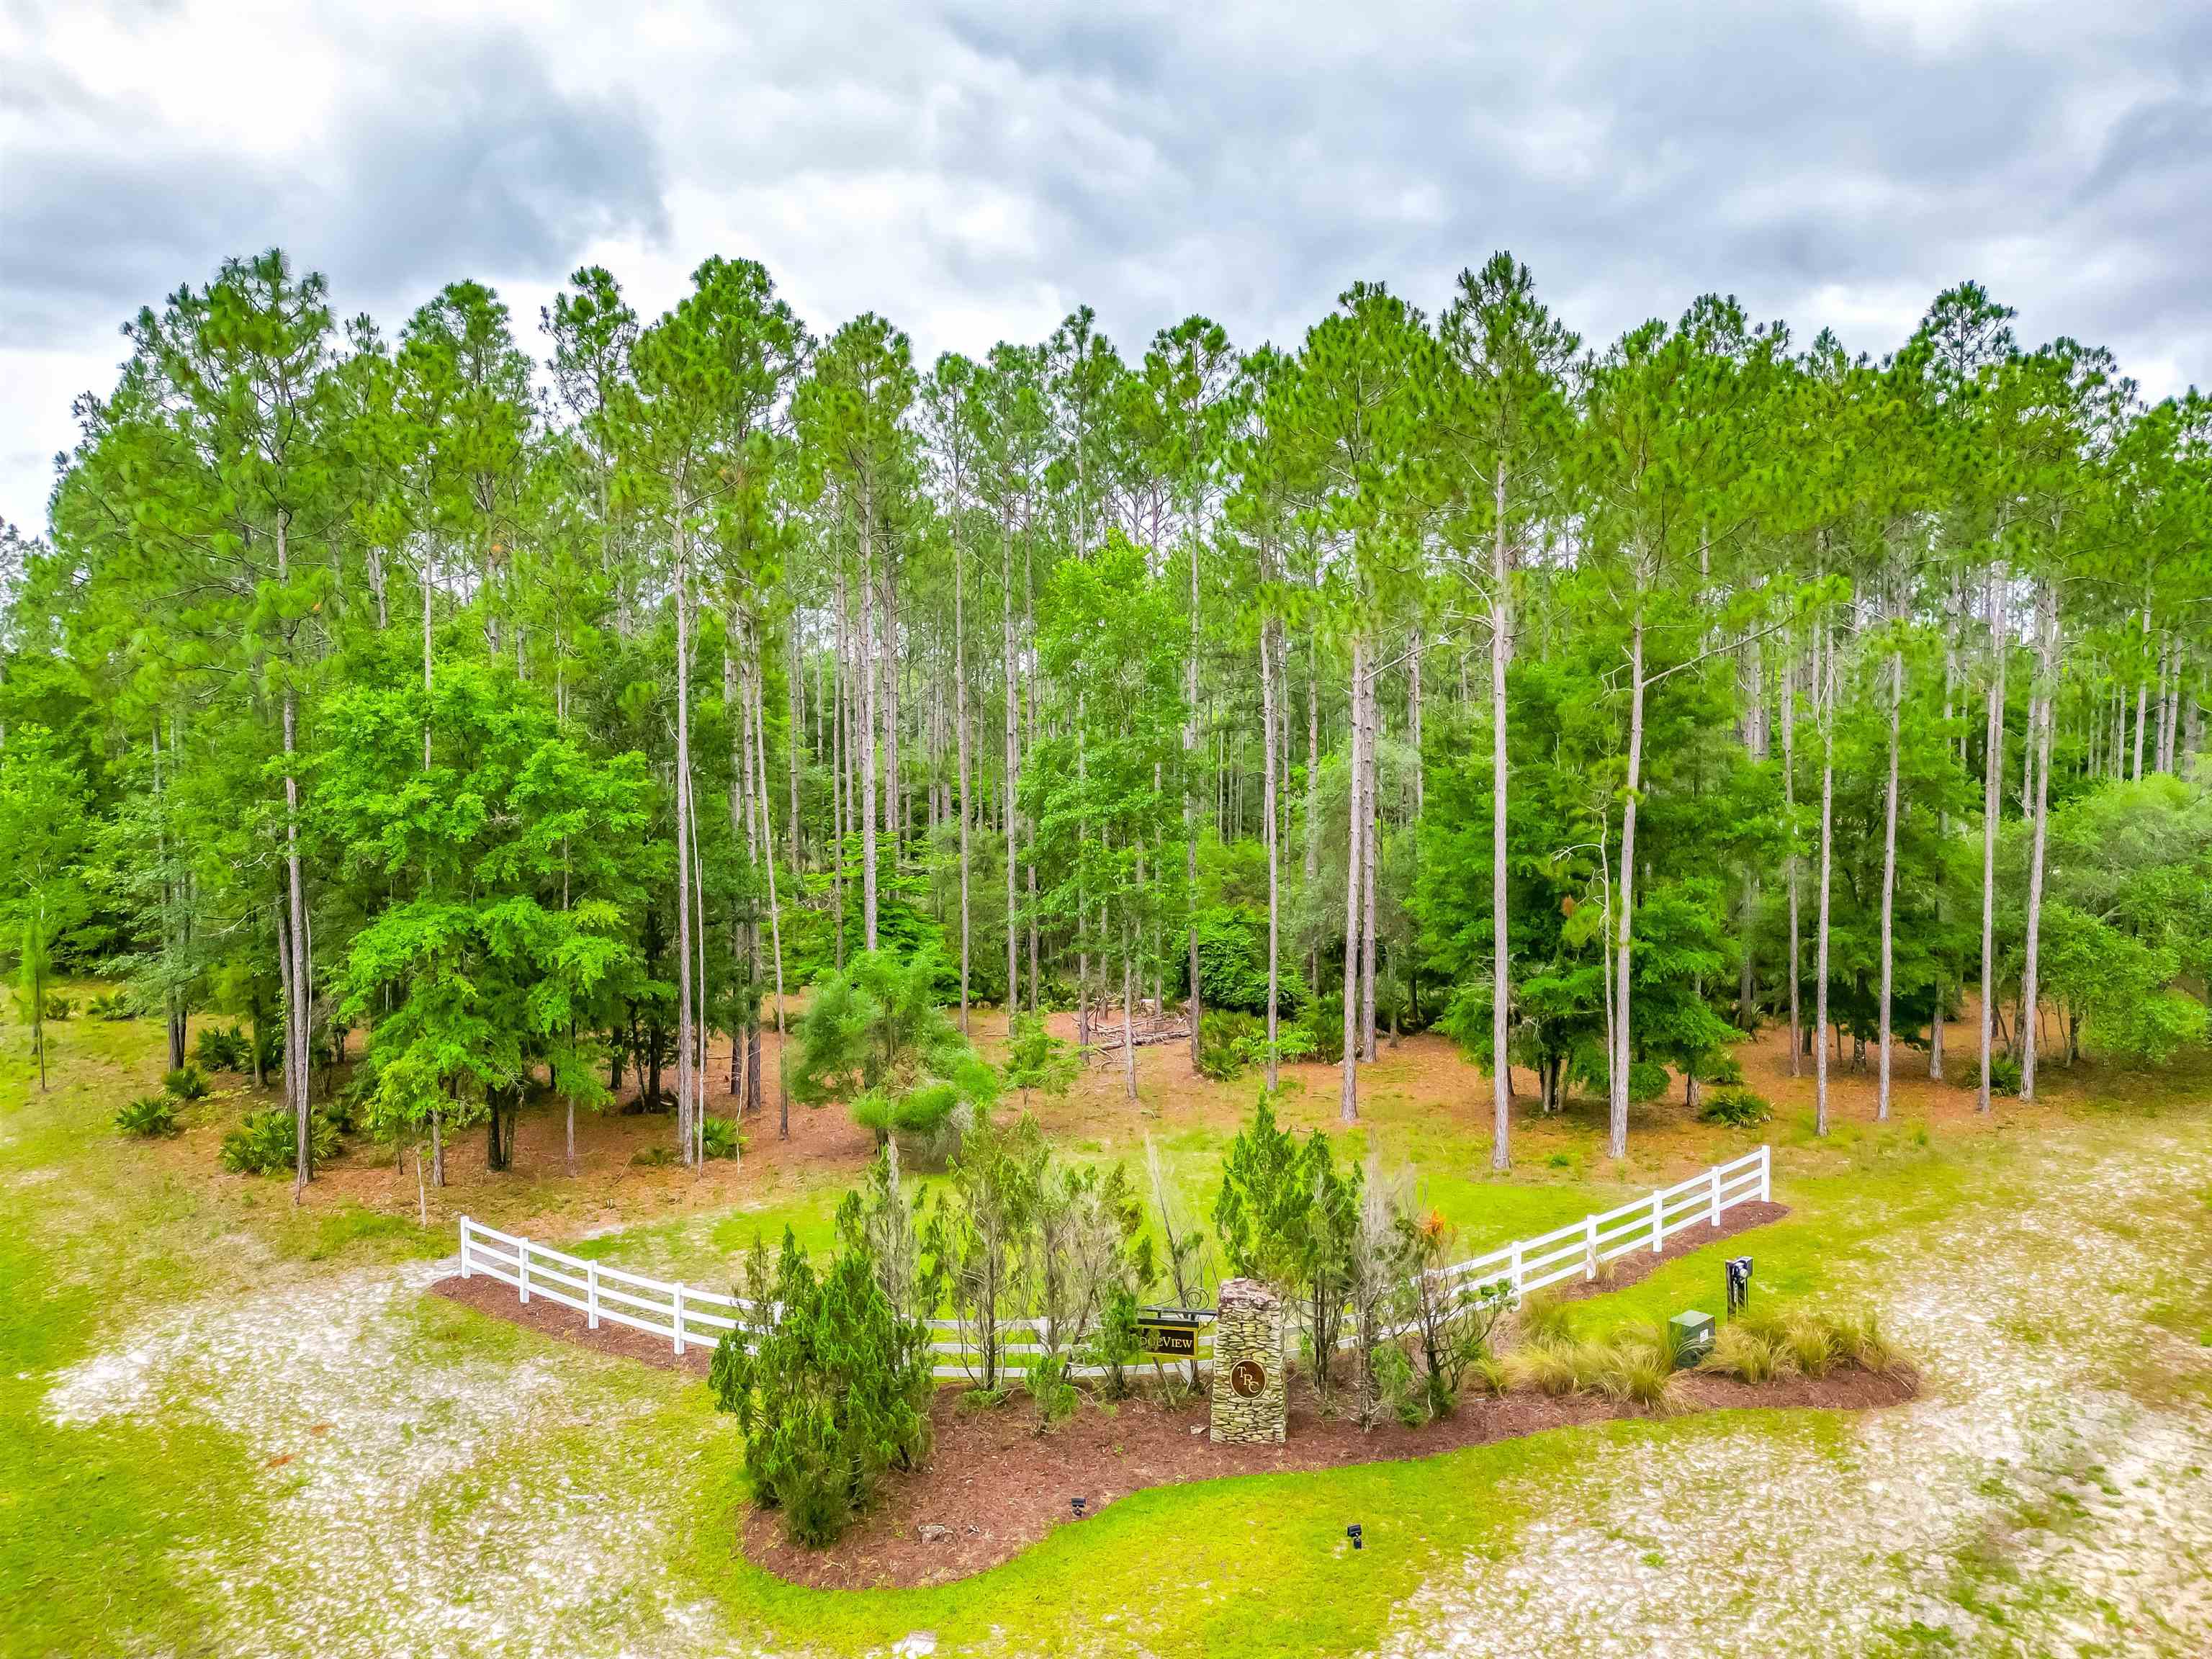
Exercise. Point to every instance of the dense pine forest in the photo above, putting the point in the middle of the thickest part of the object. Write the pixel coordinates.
(490, 716)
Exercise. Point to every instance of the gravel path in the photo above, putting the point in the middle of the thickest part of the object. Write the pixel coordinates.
(2027, 1504)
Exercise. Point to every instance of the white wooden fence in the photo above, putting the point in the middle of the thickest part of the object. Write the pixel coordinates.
(685, 1315)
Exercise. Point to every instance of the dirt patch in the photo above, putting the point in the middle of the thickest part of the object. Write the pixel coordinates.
(995, 1485)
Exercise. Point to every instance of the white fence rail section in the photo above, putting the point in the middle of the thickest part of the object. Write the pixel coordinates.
(684, 1315)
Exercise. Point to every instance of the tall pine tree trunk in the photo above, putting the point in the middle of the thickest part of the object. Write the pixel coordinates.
(684, 1057)
(1009, 809)
(1789, 859)
(1625, 897)
(1501, 649)
(1356, 834)
(1270, 700)
(2044, 703)
(1992, 779)
(960, 741)
(1190, 810)
(1827, 671)
(867, 733)
(1889, 887)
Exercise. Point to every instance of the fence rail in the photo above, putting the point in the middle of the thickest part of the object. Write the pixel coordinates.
(685, 1315)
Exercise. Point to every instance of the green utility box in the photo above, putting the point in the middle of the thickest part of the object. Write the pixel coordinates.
(1692, 1335)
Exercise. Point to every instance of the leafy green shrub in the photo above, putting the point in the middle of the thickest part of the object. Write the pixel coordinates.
(147, 1117)
(1739, 1107)
(1647, 1080)
(216, 1049)
(265, 1143)
(1050, 1390)
(1114, 1344)
(2004, 1073)
(56, 1006)
(721, 1138)
(1232, 964)
(113, 1004)
(658, 1155)
(1326, 1021)
(186, 1083)
(1224, 1040)
(828, 1384)
(1723, 1071)
(1037, 1059)
(1395, 1380)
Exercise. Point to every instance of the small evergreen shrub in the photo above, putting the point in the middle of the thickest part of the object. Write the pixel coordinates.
(1739, 1107)
(721, 1138)
(2004, 1073)
(149, 1117)
(1647, 1080)
(186, 1083)
(828, 1384)
(113, 1004)
(56, 1006)
(216, 1049)
(265, 1144)
(1724, 1072)
(1049, 1389)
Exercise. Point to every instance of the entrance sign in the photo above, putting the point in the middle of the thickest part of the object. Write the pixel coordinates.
(1172, 1332)
(1249, 1406)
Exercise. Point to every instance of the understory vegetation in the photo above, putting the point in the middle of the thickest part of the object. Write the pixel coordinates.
(1599, 704)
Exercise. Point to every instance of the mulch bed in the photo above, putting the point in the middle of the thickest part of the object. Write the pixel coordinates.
(995, 1485)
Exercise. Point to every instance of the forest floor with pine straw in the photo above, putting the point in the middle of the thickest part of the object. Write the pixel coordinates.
(228, 1426)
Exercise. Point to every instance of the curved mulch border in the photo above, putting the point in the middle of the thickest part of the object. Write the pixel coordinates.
(995, 1485)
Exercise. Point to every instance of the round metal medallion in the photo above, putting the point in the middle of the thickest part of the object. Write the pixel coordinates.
(1246, 1379)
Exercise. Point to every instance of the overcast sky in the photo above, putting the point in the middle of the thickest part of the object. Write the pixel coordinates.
(974, 171)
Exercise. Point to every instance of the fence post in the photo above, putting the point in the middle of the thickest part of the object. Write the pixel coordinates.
(679, 1315)
(1589, 1247)
(465, 1247)
(522, 1265)
(1516, 1270)
(1658, 1218)
(1714, 1220)
(592, 1294)
(1765, 1174)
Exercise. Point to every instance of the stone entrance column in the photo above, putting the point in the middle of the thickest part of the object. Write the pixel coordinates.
(1250, 1406)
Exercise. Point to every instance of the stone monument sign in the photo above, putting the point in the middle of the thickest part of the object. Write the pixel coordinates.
(1249, 1401)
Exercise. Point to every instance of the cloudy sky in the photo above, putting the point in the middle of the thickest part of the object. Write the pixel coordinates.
(976, 170)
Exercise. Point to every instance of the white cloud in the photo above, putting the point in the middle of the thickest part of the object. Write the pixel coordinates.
(974, 170)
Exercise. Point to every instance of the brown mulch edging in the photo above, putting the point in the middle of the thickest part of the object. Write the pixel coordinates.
(996, 1486)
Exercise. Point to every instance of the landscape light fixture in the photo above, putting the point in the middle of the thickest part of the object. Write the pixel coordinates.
(1075, 1504)
(1353, 1533)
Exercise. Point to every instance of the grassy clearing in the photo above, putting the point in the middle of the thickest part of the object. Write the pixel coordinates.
(522, 1496)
